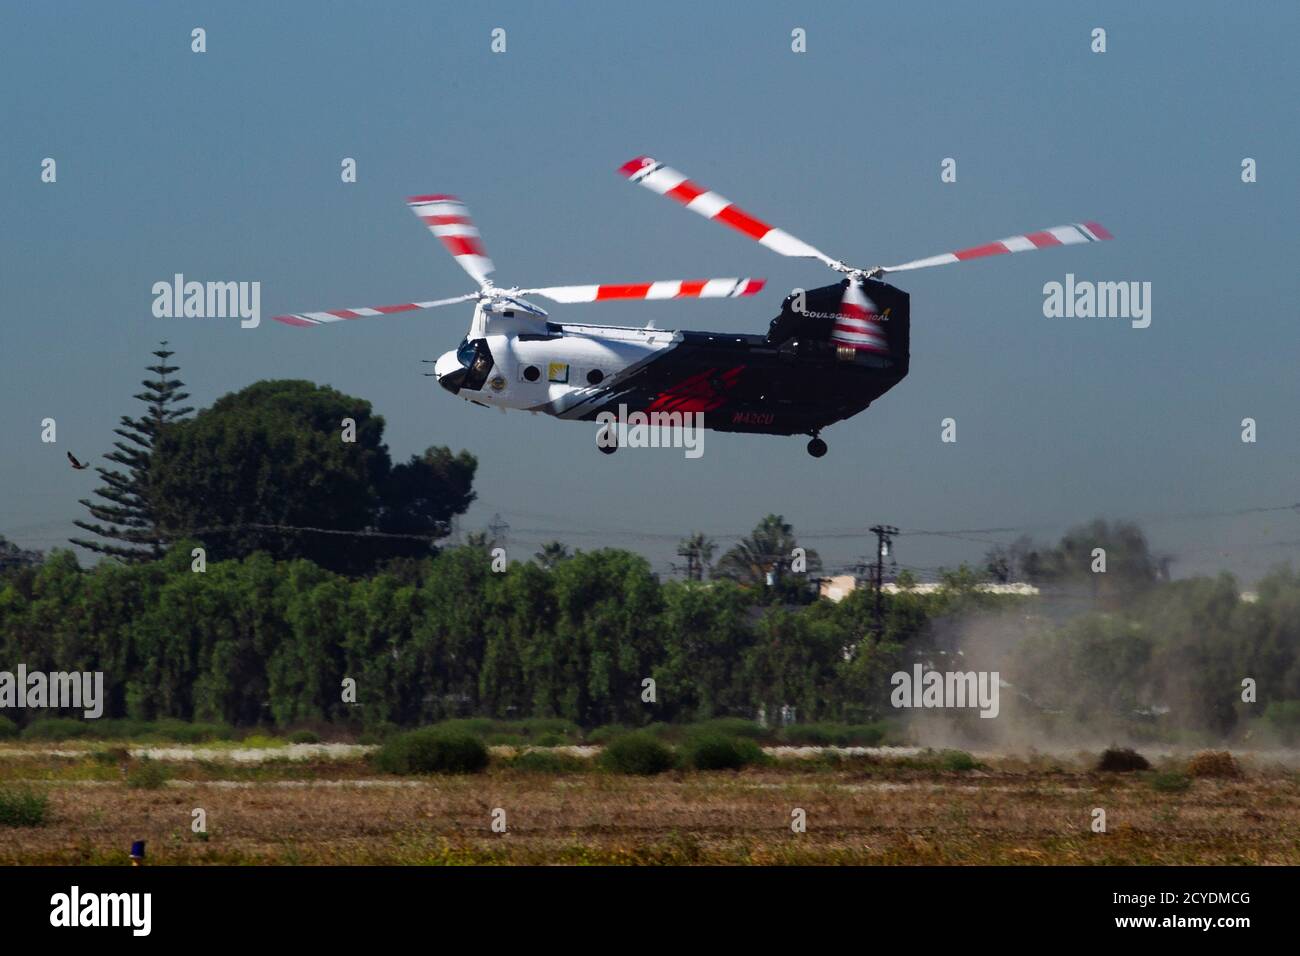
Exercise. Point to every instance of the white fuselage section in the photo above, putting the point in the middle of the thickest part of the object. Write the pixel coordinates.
(556, 369)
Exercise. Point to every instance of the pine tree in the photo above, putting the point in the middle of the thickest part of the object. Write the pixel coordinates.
(125, 508)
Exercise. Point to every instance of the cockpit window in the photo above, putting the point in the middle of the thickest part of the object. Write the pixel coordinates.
(476, 359)
(465, 352)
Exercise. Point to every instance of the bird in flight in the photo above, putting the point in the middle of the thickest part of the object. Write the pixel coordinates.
(76, 464)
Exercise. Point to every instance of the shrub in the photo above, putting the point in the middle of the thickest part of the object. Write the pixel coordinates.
(1122, 760)
(638, 753)
(56, 728)
(548, 726)
(182, 732)
(1171, 781)
(304, 737)
(112, 756)
(550, 740)
(827, 760)
(1213, 763)
(713, 751)
(547, 761)
(432, 750)
(480, 727)
(146, 775)
(8, 728)
(832, 735)
(1284, 715)
(379, 732)
(605, 733)
(120, 728)
(956, 761)
(731, 727)
(21, 807)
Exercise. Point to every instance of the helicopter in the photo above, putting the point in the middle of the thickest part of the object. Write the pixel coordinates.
(828, 354)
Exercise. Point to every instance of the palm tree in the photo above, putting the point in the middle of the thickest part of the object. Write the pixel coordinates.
(552, 553)
(765, 556)
(698, 551)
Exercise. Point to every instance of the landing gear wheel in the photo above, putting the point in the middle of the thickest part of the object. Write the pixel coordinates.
(816, 447)
(607, 441)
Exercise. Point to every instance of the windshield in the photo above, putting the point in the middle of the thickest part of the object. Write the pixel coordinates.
(465, 352)
(476, 359)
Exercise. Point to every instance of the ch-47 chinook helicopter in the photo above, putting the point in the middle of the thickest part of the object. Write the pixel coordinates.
(830, 353)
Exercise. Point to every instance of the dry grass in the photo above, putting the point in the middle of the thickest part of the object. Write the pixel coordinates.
(1214, 763)
(862, 811)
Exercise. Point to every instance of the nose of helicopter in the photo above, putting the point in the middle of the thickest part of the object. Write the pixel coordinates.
(449, 372)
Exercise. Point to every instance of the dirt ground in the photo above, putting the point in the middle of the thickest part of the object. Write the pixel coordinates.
(862, 810)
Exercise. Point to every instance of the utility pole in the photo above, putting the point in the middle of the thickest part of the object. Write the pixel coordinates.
(498, 529)
(884, 535)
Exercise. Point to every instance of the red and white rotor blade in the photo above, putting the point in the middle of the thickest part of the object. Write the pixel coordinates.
(671, 289)
(1073, 234)
(858, 324)
(448, 219)
(666, 181)
(305, 319)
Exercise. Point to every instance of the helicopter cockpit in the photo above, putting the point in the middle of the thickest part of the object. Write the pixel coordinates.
(472, 362)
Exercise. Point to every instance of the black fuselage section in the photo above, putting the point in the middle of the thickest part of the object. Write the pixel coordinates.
(793, 380)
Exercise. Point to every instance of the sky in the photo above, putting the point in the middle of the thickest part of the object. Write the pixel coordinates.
(225, 166)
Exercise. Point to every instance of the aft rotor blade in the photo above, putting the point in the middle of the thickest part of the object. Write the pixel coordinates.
(666, 181)
(1073, 234)
(448, 219)
(304, 319)
(858, 324)
(670, 289)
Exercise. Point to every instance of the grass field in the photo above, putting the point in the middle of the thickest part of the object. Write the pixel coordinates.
(323, 805)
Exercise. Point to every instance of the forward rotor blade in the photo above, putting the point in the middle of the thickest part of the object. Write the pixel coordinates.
(304, 319)
(671, 289)
(1072, 234)
(661, 179)
(448, 219)
(858, 324)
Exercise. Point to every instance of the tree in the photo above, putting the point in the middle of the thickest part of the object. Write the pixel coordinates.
(698, 551)
(300, 470)
(1020, 560)
(552, 553)
(997, 564)
(422, 496)
(605, 641)
(1130, 564)
(126, 506)
(705, 634)
(766, 556)
(12, 557)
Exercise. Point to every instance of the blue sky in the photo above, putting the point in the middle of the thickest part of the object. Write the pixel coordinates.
(225, 166)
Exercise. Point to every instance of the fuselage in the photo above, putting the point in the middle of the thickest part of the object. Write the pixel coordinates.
(790, 381)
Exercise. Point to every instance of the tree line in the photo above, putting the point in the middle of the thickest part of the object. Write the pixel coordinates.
(261, 641)
(267, 552)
